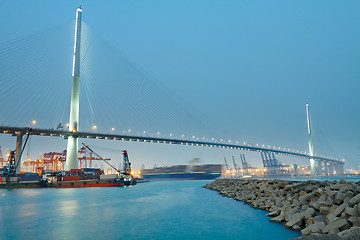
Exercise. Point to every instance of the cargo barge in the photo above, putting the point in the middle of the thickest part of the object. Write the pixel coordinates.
(84, 177)
(183, 172)
(182, 176)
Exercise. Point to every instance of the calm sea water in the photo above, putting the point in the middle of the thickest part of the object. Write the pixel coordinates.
(154, 210)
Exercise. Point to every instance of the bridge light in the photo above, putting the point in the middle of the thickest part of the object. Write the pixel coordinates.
(94, 127)
(182, 135)
(171, 134)
(112, 129)
(129, 130)
(34, 122)
(158, 133)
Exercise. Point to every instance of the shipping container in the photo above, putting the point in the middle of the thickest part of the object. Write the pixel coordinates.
(70, 178)
(109, 176)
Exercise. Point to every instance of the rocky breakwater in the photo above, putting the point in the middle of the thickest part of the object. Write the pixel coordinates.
(312, 207)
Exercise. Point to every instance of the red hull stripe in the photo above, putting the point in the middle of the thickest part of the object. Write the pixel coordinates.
(91, 185)
(22, 187)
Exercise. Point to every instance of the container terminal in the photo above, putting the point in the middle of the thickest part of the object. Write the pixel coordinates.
(51, 173)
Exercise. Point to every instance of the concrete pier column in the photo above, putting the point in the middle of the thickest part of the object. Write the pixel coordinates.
(319, 167)
(341, 168)
(19, 138)
(326, 167)
(331, 168)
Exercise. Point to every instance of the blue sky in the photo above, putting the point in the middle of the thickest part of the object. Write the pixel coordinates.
(250, 66)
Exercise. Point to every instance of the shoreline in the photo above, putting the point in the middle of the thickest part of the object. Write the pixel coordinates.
(319, 210)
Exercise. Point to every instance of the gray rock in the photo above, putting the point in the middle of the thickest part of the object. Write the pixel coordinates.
(350, 234)
(335, 226)
(335, 186)
(313, 228)
(296, 228)
(339, 197)
(351, 211)
(354, 221)
(295, 221)
(319, 237)
(278, 219)
(330, 218)
(319, 218)
(273, 214)
(349, 194)
(324, 210)
(354, 200)
(340, 209)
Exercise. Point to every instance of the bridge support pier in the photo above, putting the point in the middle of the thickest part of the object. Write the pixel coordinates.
(339, 168)
(331, 168)
(319, 167)
(19, 138)
(72, 154)
(326, 168)
(312, 166)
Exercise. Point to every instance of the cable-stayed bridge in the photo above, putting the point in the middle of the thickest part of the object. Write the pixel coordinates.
(138, 102)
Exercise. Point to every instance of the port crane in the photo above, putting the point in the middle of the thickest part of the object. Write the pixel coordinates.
(10, 168)
(126, 173)
(92, 151)
(235, 165)
(244, 162)
(226, 165)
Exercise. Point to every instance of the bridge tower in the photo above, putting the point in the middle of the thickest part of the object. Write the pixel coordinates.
(72, 146)
(311, 147)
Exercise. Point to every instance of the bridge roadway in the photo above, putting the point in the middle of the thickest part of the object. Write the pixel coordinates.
(247, 147)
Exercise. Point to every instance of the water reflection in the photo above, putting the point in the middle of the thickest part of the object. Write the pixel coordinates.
(28, 210)
(69, 208)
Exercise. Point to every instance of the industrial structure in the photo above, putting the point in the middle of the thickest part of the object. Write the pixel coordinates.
(72, 147)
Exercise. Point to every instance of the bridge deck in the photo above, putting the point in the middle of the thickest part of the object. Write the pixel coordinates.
(246, 147)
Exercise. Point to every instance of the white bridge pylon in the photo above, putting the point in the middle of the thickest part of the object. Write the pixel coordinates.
(72, 146)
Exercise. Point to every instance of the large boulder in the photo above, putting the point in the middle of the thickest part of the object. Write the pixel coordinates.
(340, 209)
(350, 234)
(339, 198)
(352, 212)
(319, 237)
(354, 200)
(313, 228)
(278, 219)
(295, 221)
(335, 226)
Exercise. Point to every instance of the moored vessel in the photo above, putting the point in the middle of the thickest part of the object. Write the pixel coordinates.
(183, 172)
(84, 177)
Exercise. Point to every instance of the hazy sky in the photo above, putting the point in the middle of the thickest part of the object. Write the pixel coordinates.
(250, 66)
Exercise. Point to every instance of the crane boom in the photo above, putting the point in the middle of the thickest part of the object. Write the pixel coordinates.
(92, 151)
(235, 166)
